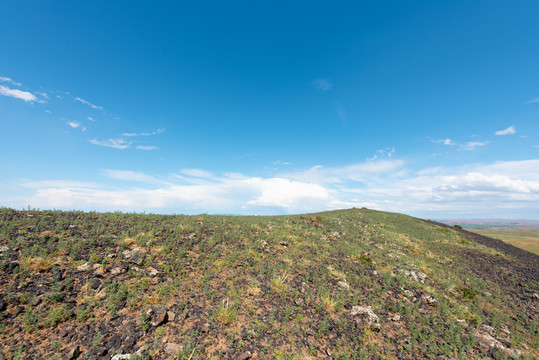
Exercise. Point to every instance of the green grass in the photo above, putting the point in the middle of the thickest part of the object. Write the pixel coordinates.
(527, 239)
(279, 279)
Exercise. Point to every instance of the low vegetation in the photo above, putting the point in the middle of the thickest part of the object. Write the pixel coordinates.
(527, 239)
(348, 284)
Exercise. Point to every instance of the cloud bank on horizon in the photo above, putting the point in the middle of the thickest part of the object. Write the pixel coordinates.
(314, 115)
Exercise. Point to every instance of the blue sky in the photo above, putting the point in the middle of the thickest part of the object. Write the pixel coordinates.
(425, 108)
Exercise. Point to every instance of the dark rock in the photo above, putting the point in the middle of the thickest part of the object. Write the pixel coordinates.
(136, 258)
(158, 315)
(96, 284)
(129, 343)
(73, 353)
(2, 304)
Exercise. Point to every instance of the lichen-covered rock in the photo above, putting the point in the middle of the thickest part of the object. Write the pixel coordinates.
(364, 315)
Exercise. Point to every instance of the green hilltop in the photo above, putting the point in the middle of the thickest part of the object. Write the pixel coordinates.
(347, 284)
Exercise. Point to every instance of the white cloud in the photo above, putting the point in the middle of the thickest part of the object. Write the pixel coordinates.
(448, 142)
(113, 143)
(129, 175)
(147, 147)
(9, 80)
(287, 194)
(19, 94)
(88, 103)
(279, 162)
(73, 124)
(90, 118)
(509, 131)
(198, 173)
(322, 84)
(500, 189)
(157, 132)
(471, 145)
(535, 100)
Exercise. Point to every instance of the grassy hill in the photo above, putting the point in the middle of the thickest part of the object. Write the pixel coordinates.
(350, 284)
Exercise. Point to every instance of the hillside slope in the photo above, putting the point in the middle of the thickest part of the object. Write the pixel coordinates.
(349, 284)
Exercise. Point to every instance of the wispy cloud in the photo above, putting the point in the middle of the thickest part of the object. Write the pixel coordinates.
(341, 111)
(88, 103)
(75, 125)
(157, 132)
(322, 84)
(509, 131)
(388, 152)
(444, 141)
(113, 143)
(9, 80)
(279, 162)
(18, 94)
(471, 145)
(129, 175)
(90, 118)
(535, 100)
(146, 147)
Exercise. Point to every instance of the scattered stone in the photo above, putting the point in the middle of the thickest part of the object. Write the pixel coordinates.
(117, 270)
(205, 328)
(429, 300)
(408, 293)
(422, 277)
(535, 296)
(121, 357)
(152, 272)
(396, 318)
(173, 348)
(283, 243)
(493, 343)
(461, 321)
(3, 248)
(344, 285)
(245, 355)
(365, 315)
(158, 315)
(137, 258)
(111, 255)
(101, 295)
(328, 351)
(505, 330)
(299, 301)
(73, 353)
(375, 273)
(171, 316)
(83, 267)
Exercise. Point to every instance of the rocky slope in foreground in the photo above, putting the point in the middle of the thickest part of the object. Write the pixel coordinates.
(350, 284)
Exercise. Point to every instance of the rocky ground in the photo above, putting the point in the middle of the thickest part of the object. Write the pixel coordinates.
(353, 284)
